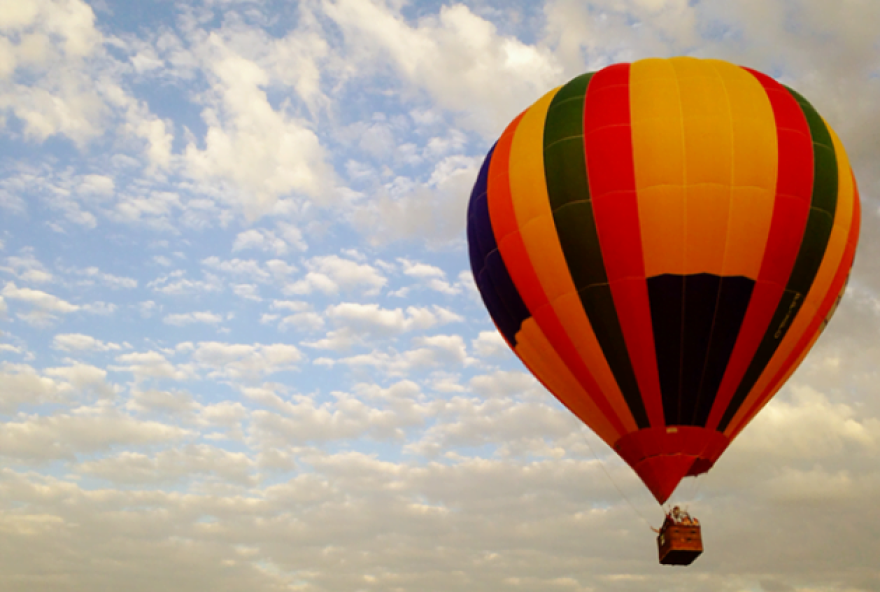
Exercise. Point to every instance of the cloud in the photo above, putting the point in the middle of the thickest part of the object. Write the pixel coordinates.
(54, 41)
(304, 321)
(264, 152)
(449, 57)
(176, 403)
(262, 239)
(246, 361)
(189, 318)
(332, 274)
(172, 465)
(249, 268)
(300, 420)
(430, 210)
(368, 323)
(83, 378)
(93, 274)
(28, 268)
(43, 305)
(431, 276)
(490, 344)
(177, 284)
(62, 436)
(151, 364)
(434, 352)
(23, 385)
(38, 299)
(247, 291)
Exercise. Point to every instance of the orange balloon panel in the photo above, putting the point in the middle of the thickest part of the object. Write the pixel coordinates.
(660, 243)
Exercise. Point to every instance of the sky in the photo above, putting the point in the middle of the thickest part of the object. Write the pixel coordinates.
(240, 343)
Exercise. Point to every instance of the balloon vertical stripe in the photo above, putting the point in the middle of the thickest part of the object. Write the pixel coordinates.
(609, 153)
(531, 344)
(794, 187)
(812, 250)
(540, 240)
(828, 281)
(494, 283)
(594, 318)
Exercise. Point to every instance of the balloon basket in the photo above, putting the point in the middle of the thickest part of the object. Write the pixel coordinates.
(679, 544)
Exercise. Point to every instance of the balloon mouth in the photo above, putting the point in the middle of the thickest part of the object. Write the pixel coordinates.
(663, 456)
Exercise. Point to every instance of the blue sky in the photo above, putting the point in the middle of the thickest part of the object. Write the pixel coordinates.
(240, 346)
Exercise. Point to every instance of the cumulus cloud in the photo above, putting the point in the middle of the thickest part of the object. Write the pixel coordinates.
(151, 364)
(44, 307)
(93, 274)
(490, 344)
(38, 299)
(171, 465)
(23, 385)
(432, 276)
(300, 420)
(367, 323)
(261, 239)
(332, 274)
(189, 318)
(176, 283)
(246, 360)
(450, 57)
(63, 436)
(432, 210)
(264, 152)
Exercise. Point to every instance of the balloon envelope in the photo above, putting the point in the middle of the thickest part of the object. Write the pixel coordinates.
(661, 243)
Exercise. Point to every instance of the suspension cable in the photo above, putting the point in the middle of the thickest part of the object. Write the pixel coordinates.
(607, 474)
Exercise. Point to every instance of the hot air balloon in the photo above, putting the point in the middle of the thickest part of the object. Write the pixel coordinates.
(661, 243)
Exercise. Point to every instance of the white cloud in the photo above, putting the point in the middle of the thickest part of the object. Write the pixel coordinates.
(262, 239)
(292, 305)
(437, 351)
(93, 274)
(304, 321)
(410, 208)
(38, 299)
(99, 307)
(153, 209)
(249, 268)
(189, 318)
(809, 426)
(172, 465)
(264, 152)
(367, 323)
(246, 360)
(54, 40)
(431, 276)
(300, 419)
(177, 284)
(83, 378)
(331, 274)
(247, 291)
(150, 364)
(28, 268)
(490, 344)
(450, 57)
(78, 342)
(176, 403)
(62, 436)
(100, 185)
(21, 384)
